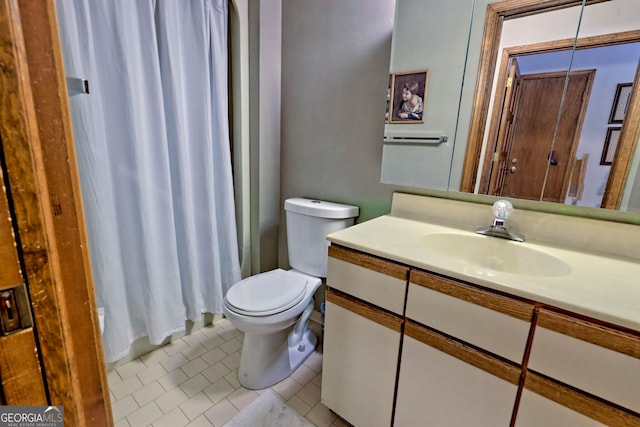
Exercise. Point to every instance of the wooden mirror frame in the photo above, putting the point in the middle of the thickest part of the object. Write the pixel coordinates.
(495, 17)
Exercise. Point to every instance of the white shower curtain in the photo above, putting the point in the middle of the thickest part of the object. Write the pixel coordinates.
(152, 141)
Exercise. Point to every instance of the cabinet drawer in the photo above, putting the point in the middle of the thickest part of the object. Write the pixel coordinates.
(493, 322)
(379, 282)
(545, 402)
(591, 357)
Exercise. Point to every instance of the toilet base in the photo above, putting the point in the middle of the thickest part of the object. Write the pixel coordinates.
(268, 359)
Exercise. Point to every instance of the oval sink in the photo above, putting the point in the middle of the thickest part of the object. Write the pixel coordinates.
(494, 254)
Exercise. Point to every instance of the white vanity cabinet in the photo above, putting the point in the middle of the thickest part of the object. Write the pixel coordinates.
(362, 333)
(405, 347)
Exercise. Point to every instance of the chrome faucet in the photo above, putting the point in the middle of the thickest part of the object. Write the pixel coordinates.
(502, 209)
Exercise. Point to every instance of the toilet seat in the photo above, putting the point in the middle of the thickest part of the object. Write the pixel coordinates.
(267, 293)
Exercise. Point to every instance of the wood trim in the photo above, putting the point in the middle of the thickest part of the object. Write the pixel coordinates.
(480, 106)
(464, 353)
(593, 333)
(519, 8)
(369, 262)
(365, 310)
(632, 36)
(494, 127)
(24, 166)
(627, 144)
(45, 195)
(579, 402)
(511, 307)
(46, 70)
(10, 274)
(20, 370)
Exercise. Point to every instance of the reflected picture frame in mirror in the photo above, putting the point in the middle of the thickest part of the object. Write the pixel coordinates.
(408, 97)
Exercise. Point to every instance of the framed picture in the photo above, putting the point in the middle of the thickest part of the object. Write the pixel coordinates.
(610, 146)
(620, 103)
(409, 96)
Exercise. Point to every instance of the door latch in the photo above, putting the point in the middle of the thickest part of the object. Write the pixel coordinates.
(14, 310)
(8, 311)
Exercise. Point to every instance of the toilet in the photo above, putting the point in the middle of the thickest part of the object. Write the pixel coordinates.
(273, 308)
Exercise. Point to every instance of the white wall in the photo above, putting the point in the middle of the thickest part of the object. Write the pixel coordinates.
(239, 40)
(265, 33)
(335, 66)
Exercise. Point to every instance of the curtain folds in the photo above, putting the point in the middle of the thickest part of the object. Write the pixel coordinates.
(152, 142)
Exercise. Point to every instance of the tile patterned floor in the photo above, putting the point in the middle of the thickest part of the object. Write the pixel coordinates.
(192, 382)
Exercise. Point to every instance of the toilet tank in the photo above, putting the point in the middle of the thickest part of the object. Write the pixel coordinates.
(308, 223)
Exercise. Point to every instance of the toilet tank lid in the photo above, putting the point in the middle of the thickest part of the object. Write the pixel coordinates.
(320, 208)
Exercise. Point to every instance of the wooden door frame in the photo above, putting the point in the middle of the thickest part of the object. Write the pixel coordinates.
(45, 190)
(496, 14)
(512, 97)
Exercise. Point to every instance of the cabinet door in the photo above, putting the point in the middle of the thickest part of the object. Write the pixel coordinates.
(591, 357)
(487, 320)
(360, 357)
(546, 402)
(444, 383)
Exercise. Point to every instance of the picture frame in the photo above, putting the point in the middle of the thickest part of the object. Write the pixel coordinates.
(414, 110)
(620, 103)
(610, 146)
(389, 96)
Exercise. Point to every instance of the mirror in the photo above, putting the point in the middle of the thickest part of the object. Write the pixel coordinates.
(579, 172)
(576, 169)
(414, 151)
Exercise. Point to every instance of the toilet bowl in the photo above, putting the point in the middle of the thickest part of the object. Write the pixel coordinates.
(273, 308)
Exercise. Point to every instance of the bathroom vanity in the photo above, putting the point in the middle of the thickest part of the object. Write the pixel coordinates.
(428, 322)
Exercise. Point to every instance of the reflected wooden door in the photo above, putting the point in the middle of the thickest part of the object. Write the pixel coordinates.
(534, 128)
(21, 380)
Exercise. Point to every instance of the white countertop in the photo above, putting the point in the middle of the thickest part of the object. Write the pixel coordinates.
(597, 286)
